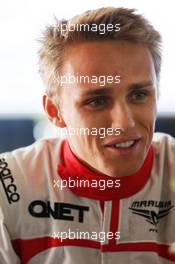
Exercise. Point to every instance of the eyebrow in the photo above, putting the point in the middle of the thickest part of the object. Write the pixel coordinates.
(98, 91)
(140, 85)
(106, 91)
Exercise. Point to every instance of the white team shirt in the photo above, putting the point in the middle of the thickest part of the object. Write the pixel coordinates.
(139, 220)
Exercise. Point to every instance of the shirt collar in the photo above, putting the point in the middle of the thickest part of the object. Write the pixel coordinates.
(72, 169)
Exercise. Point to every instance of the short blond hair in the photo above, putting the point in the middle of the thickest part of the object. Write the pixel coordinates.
(54, 42)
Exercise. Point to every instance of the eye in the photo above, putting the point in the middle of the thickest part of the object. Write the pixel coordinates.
(138, 96)
(98, 102)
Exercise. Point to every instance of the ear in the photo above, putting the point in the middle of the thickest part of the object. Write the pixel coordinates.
(53, 112)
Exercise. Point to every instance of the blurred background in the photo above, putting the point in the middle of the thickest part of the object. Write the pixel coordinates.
(22, 120)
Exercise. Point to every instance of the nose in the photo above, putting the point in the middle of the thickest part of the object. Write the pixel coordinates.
(122, 116)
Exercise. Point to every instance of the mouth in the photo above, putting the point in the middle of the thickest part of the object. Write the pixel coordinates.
(124, 147)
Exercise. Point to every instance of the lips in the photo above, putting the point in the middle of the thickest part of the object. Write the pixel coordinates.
(123, 147)
(124, 142)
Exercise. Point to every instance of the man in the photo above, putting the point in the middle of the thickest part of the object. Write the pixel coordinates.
(103, 194)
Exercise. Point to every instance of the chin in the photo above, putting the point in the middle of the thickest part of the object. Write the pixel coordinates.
(123, 170)
(121, 173)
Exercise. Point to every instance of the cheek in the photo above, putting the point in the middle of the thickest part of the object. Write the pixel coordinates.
(148, 113)
(148, 122)
(151, 114)
(89, 119)
(96, 119)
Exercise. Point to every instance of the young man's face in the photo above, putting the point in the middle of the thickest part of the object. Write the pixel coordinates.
(129, 105)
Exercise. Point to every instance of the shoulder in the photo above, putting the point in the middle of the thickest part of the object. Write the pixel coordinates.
(40, 147)
(164, 148)
(164, 160)
(28, 157)
(164, 143)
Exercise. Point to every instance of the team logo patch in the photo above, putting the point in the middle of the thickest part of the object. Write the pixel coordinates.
(7, 181)
(142, 208)
(61, 211)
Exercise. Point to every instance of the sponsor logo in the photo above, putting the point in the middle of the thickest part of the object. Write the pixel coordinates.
(153, 217)
(7, 181)
(62, 211)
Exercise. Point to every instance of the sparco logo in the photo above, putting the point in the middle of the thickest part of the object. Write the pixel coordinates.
(7, 181)
(63, 211)
(144, 209)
